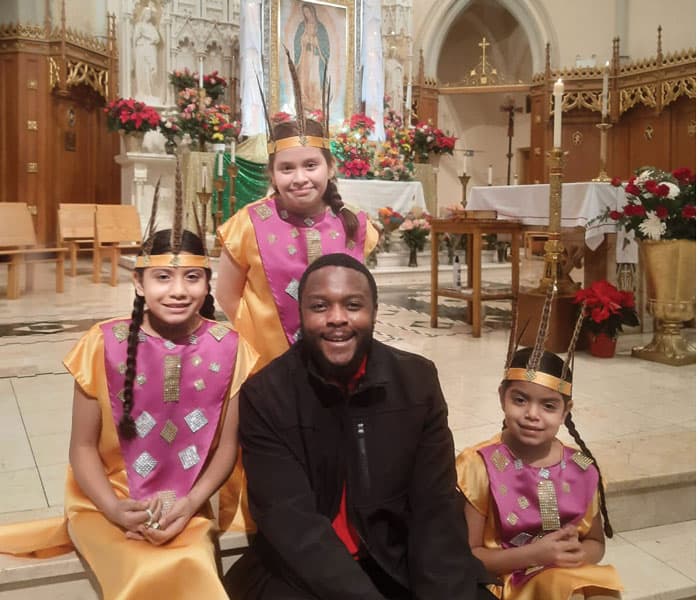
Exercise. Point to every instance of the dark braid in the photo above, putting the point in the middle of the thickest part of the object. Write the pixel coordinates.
(332, 198)
(569, 422)
(208, 309)
(127, 427)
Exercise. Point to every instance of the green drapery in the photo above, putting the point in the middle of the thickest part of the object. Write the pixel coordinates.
(251, 184)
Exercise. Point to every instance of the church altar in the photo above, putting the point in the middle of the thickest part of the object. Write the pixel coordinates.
(580, 203)
(372, 194)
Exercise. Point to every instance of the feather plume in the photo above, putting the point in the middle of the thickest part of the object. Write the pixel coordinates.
(200, 230)
(568, 364)
(512, 344)
(264, 103)
(176, 233)
(543, 331)
(325, 99)
(299, 105)
(151, 227)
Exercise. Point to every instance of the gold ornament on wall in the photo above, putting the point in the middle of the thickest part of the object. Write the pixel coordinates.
(648, 132)
(577, 138)
(32, 126)
(691, 128)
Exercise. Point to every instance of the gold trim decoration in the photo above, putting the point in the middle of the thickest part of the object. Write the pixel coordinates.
(32, 167)
(545, 379)
(54, 73)
(173, 260)
(121, 332)
(84, 73)
(499, 460)
(32, 84)
(219, 331)
(169, 431)
(32, 126)
(313, 245)
(674, 89)
(549, 507)
(297, 142)
(171, 378)
(582, 460)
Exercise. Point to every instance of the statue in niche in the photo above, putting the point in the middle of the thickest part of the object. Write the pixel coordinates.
(147, 42)
(393, 81)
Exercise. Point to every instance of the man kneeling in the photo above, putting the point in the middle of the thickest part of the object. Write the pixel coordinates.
(350, 463)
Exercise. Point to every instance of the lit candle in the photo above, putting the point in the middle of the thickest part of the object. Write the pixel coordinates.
(201, 71)
(490, 180)
(515, 179)
(464, 164)
(558, 93)
(233, 152)
(604, 97)
(220, 158)
(409, 88)
(204, 178)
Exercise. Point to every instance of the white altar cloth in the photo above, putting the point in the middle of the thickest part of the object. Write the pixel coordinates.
(372, 194)
(580, 203)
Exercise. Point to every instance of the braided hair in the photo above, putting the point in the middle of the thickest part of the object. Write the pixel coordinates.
(331, 197)
(160, 245)
(550, 363)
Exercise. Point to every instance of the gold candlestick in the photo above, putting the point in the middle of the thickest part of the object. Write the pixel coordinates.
(232, 172)
(553, 247)
(204, 198)
(603, 176)
(219, 185)
(464, 180)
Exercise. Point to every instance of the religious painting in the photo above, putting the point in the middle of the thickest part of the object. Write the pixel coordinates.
(320, 36)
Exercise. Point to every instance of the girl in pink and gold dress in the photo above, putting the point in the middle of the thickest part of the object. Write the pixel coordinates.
(536, 508)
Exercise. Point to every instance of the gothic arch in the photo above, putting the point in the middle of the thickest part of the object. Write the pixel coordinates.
(530, 14)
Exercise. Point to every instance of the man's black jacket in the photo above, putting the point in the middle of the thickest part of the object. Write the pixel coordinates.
(388, 441)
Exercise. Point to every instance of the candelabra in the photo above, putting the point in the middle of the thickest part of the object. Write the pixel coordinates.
(219, 185)
(464, 180)
(553, 247)
(603, 176)
(232, 173)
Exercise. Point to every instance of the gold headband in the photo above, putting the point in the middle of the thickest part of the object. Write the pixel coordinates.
(297, 141)
(172, 260)
(549, 381)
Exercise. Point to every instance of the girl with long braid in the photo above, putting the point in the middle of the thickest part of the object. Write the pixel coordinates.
(269, 243)
(536, 509)
(154, 434)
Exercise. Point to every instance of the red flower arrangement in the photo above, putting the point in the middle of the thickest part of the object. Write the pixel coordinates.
(127, 114)
(428, 139)
(350, 148)
(606, 308)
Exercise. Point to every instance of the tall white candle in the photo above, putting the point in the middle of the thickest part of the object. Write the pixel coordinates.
(409, 88)
(604, 96)
(515, 179)
(220, 158)
(558, 93)
(233, 152)
(204, 178)
(201, 72)
(490, 179)
(464, 164)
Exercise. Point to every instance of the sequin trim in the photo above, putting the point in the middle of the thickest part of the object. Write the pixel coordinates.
(144, 464)
(169, 431)
(144, 424)
(189, 457)
(293, 289)
(196, 420)
(171, 378)
(263, 211)
(549, 507)
(313, 245)
(219, 332)
(121, 332)
(499, 460)
(582, 460)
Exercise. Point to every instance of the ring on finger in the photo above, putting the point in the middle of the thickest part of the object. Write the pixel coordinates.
(155, 525)
(149, 512)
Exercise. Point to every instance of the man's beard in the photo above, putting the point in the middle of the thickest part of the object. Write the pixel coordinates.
(334, 372)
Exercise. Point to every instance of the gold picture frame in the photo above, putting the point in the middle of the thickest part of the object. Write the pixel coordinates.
(331, 37)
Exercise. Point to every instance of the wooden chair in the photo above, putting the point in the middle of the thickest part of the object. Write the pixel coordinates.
(18, 243)
(76, 230)
(117, 229)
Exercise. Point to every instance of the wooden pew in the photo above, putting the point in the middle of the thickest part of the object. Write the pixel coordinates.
(18, 243)
(117, 229)
(76, 230)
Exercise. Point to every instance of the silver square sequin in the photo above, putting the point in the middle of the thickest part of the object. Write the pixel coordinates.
(293, 289)
(121, 367)
(518, 464)
(144, 424)
(196, 420)
(271, 238)
(169, 345)
(333, 234)
(544, 473)
(294, 232)
(193, 340)
(141, 379)
(196, 361)
(120, 331)
(214, 367)
(189, 457)
(199, 385)
(309, 222)
(142, 337)
(291, 250)
(144, 464)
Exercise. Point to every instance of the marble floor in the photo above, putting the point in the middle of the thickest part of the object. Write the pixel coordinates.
(637, 417)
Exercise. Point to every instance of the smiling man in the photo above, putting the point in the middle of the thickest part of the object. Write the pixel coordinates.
(350, 462)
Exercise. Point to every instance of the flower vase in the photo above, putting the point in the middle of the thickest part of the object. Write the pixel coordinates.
(133, 140)
(413, 256)
(669, 269)
(601, 345)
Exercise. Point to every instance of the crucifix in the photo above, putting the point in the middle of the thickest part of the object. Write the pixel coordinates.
(511, 109)
(483, 44)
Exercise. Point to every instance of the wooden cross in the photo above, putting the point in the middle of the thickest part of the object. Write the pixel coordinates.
(483, 45)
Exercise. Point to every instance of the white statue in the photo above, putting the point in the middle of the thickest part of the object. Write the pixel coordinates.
(393, 82)
(146, 43)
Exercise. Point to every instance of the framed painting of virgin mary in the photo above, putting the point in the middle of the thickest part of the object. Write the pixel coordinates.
(319, 34)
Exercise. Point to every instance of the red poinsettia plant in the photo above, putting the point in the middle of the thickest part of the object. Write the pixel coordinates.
(128, 115)
(606, 308)
(427, 138)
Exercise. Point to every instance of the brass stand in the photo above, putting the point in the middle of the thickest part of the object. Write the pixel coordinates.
(219, 185)
(232, 173)
(603, 176)
(204, 198)
(464, 180)
(553, 247)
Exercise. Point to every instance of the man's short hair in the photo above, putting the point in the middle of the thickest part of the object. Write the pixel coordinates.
(338, 259)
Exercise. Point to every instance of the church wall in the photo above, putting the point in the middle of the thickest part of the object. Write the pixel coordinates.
(677, 19)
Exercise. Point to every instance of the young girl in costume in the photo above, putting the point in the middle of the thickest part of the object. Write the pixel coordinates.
(269, 243)
(536, 508)
(154, 432)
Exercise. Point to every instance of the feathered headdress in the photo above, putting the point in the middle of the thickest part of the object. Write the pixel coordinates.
(174, 258)
(532, 372)
(300, 139)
